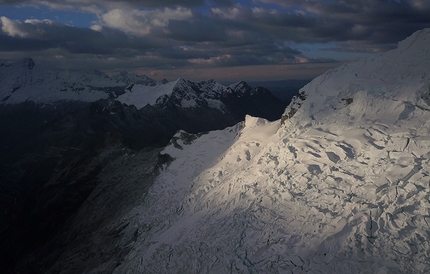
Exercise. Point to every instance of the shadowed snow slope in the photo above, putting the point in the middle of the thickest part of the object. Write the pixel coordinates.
(23, 81)
(341, 185)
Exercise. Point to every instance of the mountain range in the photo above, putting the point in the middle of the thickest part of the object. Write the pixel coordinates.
(56, 127)
(339, 182)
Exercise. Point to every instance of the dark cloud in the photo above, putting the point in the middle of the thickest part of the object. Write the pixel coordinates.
(162, 3)
(8, 44)
(44, 35)
(226, 3)
(168, 34)
(184, 53)
(136, 3)
(196, 31)
(374, 21)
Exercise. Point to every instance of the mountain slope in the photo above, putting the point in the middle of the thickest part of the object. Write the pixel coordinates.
(136, 105)
(59, 129)
(23, 81)
(339, 184)
(387, 88)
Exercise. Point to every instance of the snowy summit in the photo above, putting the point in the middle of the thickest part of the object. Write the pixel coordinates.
(339, 184)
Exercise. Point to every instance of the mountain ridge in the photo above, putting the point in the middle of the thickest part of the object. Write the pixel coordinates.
(342, 185)
(59, 129)
(22, 81)
(339, 184)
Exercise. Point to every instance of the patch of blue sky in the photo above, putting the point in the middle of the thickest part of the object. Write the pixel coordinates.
(328, 50)
(73, 18)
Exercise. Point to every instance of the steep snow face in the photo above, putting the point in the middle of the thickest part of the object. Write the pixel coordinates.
(342, 185)
(180, 90)
(184, 94)
(389, 88)
(142, 95)
(24, 81)
(241, 87)
(212, 88)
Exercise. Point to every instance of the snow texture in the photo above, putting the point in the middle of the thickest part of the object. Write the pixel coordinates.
(185, 93)
(340, 186)
(24, 81)
(142, 95)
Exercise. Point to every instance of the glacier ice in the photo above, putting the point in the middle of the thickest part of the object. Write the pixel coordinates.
(339, 184)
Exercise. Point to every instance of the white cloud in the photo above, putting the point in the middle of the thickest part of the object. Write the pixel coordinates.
(228, 13)
(37, 21)
(95, 7)
(12, 28)
(96, 27)
(141, 22)
(28, 28)
(421, 4)
(264, 12)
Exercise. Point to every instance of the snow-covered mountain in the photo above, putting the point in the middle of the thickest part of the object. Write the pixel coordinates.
(23, 81)
(130, 78)
(187, 94)
(60, 128)
(339, 184)
(146, 112)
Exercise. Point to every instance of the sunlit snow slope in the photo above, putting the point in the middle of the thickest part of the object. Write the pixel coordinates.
(339, 185)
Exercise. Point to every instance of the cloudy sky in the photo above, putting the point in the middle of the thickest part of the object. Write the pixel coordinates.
(227, 40)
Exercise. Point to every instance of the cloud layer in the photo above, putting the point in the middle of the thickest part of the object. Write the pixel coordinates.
(162, 34)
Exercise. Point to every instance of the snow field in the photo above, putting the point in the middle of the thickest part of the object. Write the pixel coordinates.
(327, 201)
(342, 185)
(142, 95)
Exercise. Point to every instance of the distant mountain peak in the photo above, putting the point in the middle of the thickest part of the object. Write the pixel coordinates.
(184, 93)
(123, 72)
(28, 63)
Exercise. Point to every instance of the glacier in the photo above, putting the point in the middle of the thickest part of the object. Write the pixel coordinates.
(60, 129)
(339, 184)
(342, 185)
